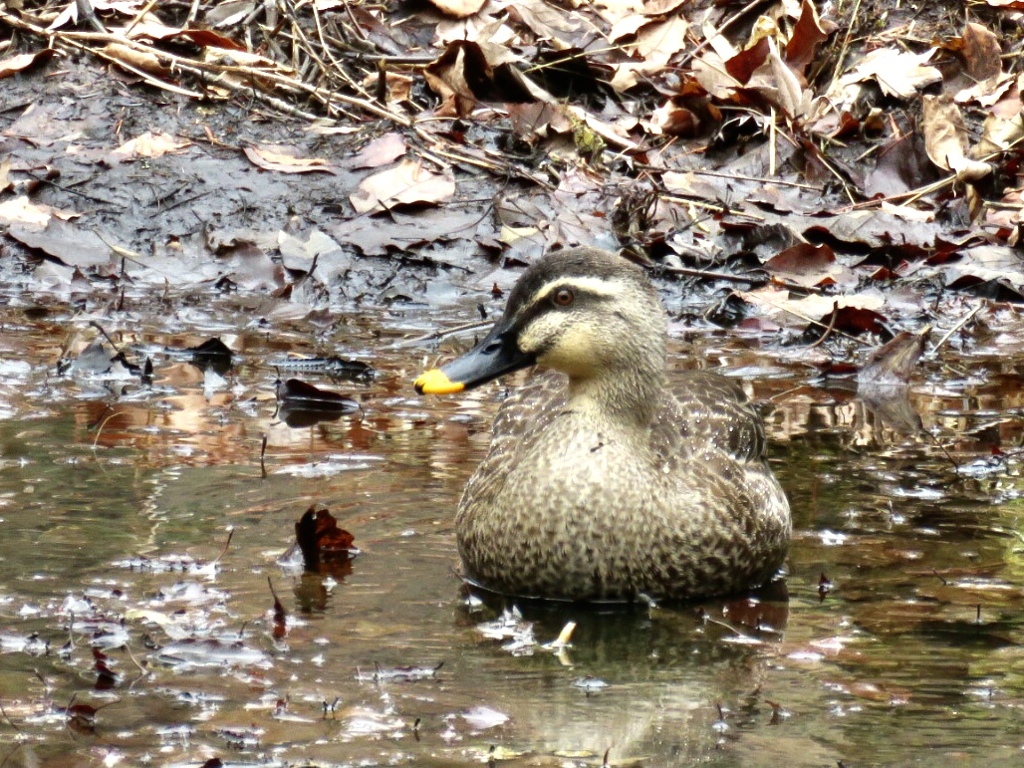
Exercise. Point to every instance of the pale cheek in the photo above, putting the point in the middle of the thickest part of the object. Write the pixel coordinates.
(574, 354)
(537, 336)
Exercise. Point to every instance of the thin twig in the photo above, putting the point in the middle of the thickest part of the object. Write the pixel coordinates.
(442, 333)
(966, 319)
(139, 16)
(830, 328)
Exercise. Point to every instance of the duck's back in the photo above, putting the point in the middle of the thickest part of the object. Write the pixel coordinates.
(565, 506)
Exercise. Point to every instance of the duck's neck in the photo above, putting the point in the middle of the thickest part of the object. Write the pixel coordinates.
(630, 397)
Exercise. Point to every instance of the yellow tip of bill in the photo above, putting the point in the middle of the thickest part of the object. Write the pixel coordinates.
(435, 382)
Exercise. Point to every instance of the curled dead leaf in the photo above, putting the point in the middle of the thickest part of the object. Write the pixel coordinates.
(135, 59)
(282, 160)
(14, 64)
(945, 137)
(999, 135)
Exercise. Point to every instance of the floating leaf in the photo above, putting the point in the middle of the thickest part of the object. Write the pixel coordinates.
(301, 404)
(321, 540)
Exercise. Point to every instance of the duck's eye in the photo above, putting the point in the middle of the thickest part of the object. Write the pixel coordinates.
(563, 297)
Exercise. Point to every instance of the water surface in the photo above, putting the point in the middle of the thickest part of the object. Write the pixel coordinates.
(899, 642)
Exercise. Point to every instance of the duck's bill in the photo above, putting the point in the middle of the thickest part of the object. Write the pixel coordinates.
(495, 356)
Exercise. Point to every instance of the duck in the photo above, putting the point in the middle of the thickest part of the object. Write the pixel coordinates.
(606, 479)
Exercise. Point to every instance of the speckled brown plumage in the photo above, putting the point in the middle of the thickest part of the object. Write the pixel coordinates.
(613, 482)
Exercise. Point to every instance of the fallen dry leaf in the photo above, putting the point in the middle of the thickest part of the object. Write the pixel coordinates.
(945, 138)
(794, 100)
(14, 64)
(546, 21)
(405, 184)
(280, 159)
(150, 144)
(662, 7)
(133, 59)
(810, 31)
(22, 210)
(987, 92)
(981, 52)
(468, 73)
(898, 73)
(893, 362)
(381, 151)
(777, 303)
(806, 264)
(71, 245)
(999, 135)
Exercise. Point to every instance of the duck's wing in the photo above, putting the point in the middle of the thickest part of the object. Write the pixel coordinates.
(714, 409)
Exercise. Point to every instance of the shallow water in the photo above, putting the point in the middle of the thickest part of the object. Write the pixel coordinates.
(899, 642)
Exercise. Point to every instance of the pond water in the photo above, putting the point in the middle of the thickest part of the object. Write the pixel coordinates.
(133, 632)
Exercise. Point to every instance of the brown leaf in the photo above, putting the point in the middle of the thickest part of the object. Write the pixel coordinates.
(989, 92)
(150, 144)
(981, 52)
(808, 34)
(280, 614)
(774, 302)
(146, 61)
(902, 165)
(945, 138)
(209, 38)
(468, 73)
(22, 210)
(71, 245)
(657, 43)
(743, 64)
(999, 135)
(14, 64)
(282, 160)
(321, 540)
(709, 70)
(805, 264)
(405, 184)
(854, 320)
(295, 392)
(381, 151)
(791, 96)
(544, 20)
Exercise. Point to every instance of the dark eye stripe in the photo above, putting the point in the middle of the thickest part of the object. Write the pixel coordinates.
(545, 303)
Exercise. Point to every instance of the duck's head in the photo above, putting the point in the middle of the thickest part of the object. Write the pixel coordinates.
(586, 312)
